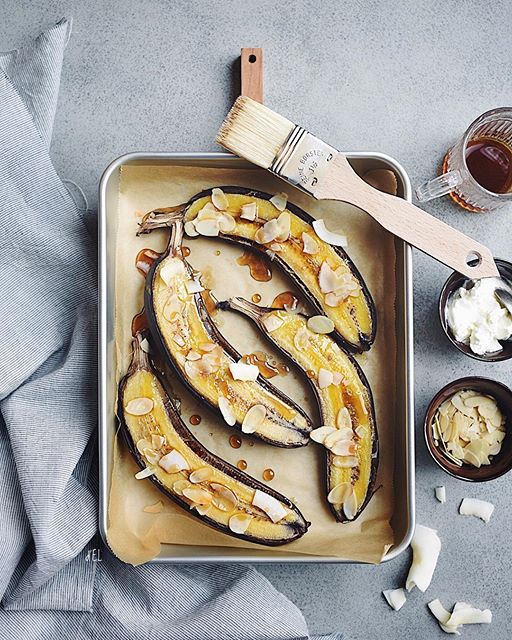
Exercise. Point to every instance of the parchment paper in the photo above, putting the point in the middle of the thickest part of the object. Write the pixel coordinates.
(134, 535)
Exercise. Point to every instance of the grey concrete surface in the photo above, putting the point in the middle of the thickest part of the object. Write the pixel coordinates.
(401, 77)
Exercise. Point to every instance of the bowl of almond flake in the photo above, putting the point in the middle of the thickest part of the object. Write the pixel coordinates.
(468, 429)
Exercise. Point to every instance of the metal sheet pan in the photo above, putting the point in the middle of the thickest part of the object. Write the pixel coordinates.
(403, 519)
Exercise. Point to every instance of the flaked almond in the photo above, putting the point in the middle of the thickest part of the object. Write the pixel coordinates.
(327, 279)
(332, 300)
(202, 509)
(173, 308)
(254, 418)
(208, 227)
(239, 522)
(143, 443)
(249, 211)
(178, 339)
(344, 448)
(208, 212)
(337, 378)
(152, 456)
(179, 486)
(319, 434)
(343, 419)
(223, 498)
(283, 226)
(173, 462)
(192, 369)
(194, 286)
(333, 438)
(200, 475)
(350, 505)
(339, 493)
(320, 324)
(144, 473)
(309, 244)
(344, 462)
(325, 378)
(271, 322)
(139, 406)
(276, 247)
(219, 199)
(190, 229)
(301, 338)
(207, 347)
(280, 200)
(272, 507)
(335, 239)
(171, 269)
(226, 223)
(157, 441)
(154, 508)
(227, 411)
(361, 431)
(243, 371)
(193, 355)
(198, 495)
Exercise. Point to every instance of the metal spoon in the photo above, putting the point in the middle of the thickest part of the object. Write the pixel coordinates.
(504, 297)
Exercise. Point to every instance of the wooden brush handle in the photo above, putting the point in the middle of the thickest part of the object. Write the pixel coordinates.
(251, 69)
(403, 219)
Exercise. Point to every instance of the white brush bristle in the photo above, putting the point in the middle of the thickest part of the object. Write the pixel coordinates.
(254, 132)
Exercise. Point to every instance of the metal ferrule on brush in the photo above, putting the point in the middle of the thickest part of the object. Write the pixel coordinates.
(303, 159)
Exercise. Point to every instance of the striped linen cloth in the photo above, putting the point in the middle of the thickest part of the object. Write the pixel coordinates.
(56, 580)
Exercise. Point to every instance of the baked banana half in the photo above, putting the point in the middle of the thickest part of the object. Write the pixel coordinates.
(344, 397)
(215, 492)
(324, 273)
(212, 369)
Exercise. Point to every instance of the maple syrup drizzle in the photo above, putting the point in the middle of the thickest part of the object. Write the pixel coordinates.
(285, 300)
(310, 374)
(185, 251)
(139, 323)
(268, 475)
(209, 301)
(256, 298)
(267, 368)
(145, 259)
(217, 252)
(259, 266)
(242, 465)
(235, 442)
(195, 419)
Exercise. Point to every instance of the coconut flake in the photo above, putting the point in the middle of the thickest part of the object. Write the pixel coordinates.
(441, 494)
(249, 211)
(194, 286)
(335, 239)
(325, 378)
(226, 411)
(426, 547)
(173, 267)
(283, 226)
(464, 613)
(145, 473)
(271, 322)
(243, 371)
(139, 406)
(272, 507)
(395, 598)
(474, 507)
(144, 345)
(280, 200)
(309, 244)
(173, 462)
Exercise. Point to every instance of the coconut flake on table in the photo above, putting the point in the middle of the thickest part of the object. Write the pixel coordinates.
(426, 547)
(441, 494)
(395, 598)
(462, 614)
(478, 508)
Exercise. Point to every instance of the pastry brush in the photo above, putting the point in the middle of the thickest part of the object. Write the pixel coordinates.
(273, 142)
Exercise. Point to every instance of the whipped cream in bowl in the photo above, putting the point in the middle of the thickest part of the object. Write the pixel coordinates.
(473, 318)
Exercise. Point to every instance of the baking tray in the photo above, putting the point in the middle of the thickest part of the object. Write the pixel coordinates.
(403, 519)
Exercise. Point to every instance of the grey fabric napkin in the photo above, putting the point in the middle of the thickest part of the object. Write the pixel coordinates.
(56, 581)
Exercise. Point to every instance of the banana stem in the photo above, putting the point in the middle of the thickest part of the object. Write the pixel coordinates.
(140, 359)
(245, 307)
(160, 218)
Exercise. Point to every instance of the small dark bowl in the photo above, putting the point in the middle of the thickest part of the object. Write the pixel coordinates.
(501, 463)
(454, 282)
